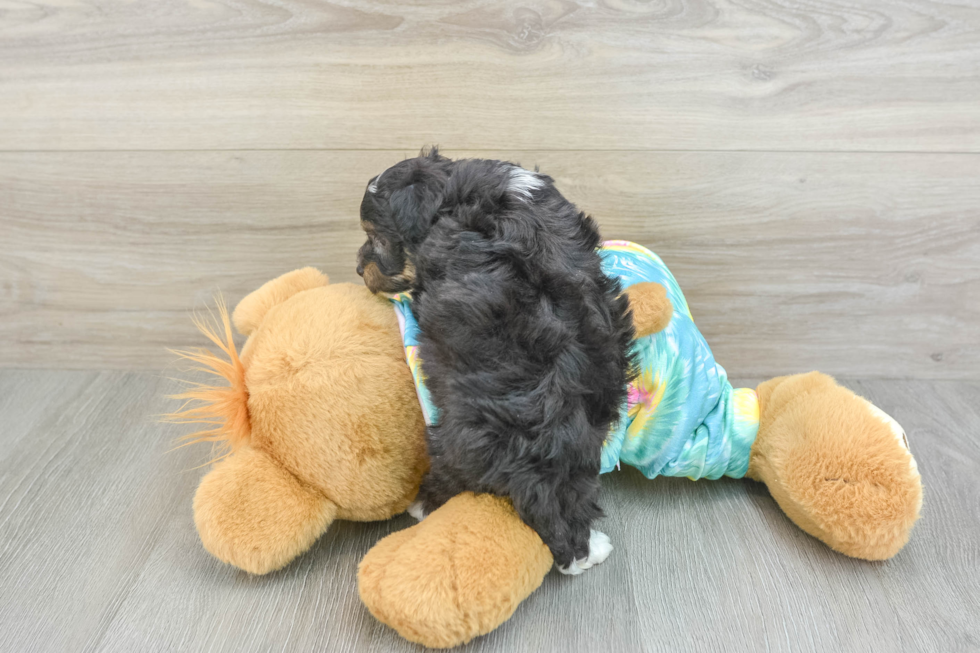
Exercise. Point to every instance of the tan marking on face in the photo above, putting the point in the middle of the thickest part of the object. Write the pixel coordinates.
(373, 278)
(377, 282)
(408, 273)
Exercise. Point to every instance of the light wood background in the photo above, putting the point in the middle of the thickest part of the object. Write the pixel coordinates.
(809, 170)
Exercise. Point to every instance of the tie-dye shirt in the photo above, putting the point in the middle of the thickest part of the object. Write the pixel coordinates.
(681, 417)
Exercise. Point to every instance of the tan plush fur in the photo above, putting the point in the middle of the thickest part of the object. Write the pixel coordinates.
(332, 400)
(323, 421)
(456, 575)
(252, 513)
(321, 415)
(835, 469)
(651, 307)
(252, 309)
(224, 408)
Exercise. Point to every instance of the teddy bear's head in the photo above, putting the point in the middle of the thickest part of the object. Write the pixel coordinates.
(320, 417)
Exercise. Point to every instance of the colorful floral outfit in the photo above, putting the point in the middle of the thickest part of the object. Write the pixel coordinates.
(681, 417)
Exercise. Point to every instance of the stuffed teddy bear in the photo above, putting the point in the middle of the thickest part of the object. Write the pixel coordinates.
(324, 418)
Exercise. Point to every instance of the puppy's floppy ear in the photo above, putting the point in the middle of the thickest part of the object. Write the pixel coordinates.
(414, 208)
(415, 205)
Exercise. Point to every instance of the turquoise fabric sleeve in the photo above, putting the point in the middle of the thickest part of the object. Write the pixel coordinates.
(682, 417)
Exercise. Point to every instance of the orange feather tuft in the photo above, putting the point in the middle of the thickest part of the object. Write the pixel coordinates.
(224, 408)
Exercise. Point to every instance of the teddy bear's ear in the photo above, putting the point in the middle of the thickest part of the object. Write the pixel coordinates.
(255, 515)
(251, 310)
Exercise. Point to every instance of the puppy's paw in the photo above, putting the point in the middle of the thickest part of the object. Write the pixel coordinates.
(599, 549)
(575, 567)
(416, 510)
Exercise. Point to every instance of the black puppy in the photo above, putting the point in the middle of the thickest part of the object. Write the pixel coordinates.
(524, 340)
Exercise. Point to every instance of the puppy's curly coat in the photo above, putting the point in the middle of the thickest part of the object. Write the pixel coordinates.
(525, 342)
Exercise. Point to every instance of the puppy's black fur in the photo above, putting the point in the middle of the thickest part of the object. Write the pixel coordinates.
(524, 340)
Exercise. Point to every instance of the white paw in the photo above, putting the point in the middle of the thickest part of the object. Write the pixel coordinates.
(575, 568)
(415, 510)
(599, 549)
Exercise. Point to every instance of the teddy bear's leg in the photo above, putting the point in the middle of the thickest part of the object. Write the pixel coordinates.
(839, 467)
(651, 307)
(255, 515)
(253, 307)
(459, 574)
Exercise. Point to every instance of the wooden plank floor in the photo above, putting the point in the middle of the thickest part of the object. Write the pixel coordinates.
(98, 550)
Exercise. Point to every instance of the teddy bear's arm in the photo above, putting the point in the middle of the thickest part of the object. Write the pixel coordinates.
(651, 307)
(255, 515)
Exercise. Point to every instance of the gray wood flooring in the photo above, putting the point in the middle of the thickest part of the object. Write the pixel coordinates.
(98, 550)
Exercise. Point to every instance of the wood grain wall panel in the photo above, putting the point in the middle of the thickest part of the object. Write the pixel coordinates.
(854, 263)
(535, 74)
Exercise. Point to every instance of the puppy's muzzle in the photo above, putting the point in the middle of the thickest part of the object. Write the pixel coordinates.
(378, 282)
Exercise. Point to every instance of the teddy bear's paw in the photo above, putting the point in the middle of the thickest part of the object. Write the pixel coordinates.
(600, 547)
(458, 574)
(897, 431)
(416, 510)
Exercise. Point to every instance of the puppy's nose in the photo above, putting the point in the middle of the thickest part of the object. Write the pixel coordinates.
(360, 270)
